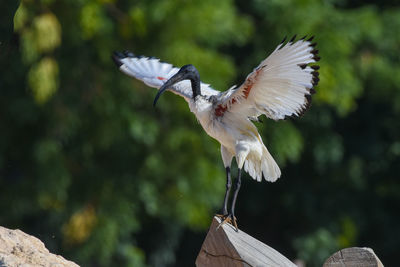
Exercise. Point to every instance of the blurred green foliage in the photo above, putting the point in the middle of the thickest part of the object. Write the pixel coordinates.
(88, 166)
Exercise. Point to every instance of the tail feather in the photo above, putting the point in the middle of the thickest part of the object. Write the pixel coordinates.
(265, 167)
(270, 169)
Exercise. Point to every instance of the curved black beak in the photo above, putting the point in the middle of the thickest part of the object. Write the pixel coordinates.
(179, 76)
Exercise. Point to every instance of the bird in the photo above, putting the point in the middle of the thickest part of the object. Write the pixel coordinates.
(280, 87)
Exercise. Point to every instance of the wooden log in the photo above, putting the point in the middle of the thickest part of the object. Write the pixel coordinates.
(353, 257)
(226, 247)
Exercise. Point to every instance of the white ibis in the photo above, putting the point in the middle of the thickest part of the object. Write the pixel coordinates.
(281, 86)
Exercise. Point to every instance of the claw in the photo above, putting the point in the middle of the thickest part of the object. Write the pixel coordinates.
(235, 224)
(225, 219)
(228, 219)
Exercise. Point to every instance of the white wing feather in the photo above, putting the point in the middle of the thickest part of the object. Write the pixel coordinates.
(155, 73)
(280, 86)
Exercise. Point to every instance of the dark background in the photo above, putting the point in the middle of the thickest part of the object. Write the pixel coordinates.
(92, 169)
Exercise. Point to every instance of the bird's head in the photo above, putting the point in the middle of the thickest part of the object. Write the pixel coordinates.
(187, 72)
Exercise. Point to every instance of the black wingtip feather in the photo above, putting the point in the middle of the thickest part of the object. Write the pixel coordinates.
(310, 39)
(315, 81)
(315, 73)
(302, 66)
(129, 53)
(281, 43)
(315, 67)
(117, 56)
(306, 106)
(293, 38)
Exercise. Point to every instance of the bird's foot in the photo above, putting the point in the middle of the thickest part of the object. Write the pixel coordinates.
(228, 218)
(221, 216)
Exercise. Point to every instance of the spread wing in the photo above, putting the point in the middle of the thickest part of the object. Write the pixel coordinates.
(155, 73)
(280, 86)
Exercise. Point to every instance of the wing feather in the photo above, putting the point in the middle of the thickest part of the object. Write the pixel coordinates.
(155, 73)
(280, 86)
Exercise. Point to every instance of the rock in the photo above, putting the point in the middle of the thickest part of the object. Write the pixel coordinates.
(20, 249)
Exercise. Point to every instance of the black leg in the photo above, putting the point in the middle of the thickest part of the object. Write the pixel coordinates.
(235, 194)
(228, 190)
(231, 216)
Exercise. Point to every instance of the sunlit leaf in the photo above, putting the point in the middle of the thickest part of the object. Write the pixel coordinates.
(43, 79)
(47, 32)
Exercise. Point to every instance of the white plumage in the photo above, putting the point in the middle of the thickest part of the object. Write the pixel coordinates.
(279, 87)
(155, 73)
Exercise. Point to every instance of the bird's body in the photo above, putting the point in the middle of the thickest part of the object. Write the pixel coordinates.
(281, 86)
(237, 136)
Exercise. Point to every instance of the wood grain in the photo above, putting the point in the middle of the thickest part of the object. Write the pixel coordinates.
(353, 257)
(226, 247)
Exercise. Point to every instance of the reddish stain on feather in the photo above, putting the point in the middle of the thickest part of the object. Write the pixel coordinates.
(220, 109)
(246, 91)
(161, 78)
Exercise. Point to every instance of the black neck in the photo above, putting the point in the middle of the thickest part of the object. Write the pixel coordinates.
(196, 86)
